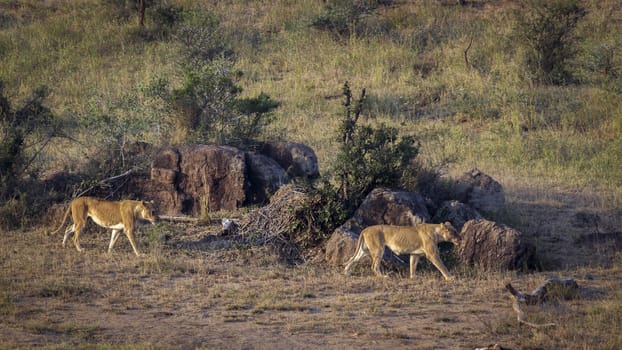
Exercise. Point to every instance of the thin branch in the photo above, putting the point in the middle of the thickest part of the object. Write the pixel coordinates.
(466, 54)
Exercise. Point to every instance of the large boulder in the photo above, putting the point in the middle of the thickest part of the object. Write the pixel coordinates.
(340, 246)
(381, 206)
(199, 178)
(297, 159)
(493, 246)
(196, 179)
(480, 191)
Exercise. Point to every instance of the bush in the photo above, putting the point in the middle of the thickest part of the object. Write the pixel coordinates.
(24, 133)
(212, 110)
(370, 157)
(547, 30)
(344, 17)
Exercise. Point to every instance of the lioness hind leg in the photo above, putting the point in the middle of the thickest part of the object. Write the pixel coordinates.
(360, 253)
(113, 239)
(376, 259)
(78, 226)
(70, 229)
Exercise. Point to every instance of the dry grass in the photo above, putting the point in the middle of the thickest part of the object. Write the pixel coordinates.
(193, 291)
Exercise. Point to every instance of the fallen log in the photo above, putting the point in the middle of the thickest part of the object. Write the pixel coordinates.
(178, 218)
(565, 288)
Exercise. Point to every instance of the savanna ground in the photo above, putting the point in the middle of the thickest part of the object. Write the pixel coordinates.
(194, 289)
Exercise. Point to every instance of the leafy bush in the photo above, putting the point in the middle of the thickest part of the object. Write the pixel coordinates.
(547, 30)
(212, 110)
(370, 156)
(24, 133)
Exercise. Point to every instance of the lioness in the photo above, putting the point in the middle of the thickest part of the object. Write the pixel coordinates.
(418, 240)
(117, 215)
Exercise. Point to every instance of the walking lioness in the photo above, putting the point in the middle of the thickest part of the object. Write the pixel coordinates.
(418, 240)
(117, 215)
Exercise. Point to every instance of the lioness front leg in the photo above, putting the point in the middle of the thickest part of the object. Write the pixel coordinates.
(130, 235)
(434, 258)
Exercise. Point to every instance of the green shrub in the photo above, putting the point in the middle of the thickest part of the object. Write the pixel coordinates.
(547, 30)
(212, 110)
(24, 133)
(369, 156)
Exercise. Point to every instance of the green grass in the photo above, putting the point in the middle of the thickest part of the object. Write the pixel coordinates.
(410, 57)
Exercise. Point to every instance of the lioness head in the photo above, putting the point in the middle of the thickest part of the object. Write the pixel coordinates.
(449, 233)
(145, 212)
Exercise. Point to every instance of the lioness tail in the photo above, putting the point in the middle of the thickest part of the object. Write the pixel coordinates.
(62, 223)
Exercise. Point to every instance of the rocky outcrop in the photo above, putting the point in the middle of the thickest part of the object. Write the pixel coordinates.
(493, 246)
(297, 159)
(200, 178)
(480, 191)
(196, 179)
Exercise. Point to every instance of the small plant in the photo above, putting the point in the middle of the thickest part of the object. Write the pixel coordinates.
(342, 17)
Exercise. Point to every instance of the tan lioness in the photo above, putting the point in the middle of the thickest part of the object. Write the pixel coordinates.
(418, 240)
(117, 215)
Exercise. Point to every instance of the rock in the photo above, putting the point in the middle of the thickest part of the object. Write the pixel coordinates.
(266, 176)
(197, 178)
(297, 159)
(340, 246)
(384, 206)
(455, 212)
(493, 246)
(381, 206)
(480, 191)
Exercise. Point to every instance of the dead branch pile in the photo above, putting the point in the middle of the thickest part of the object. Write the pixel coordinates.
(553, 287)
(277, 222)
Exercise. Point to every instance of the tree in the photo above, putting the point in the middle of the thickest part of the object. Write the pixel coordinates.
(209, 97)
(141, 6)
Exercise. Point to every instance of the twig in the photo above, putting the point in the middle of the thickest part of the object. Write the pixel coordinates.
(466, 53)
(177, 218)
(105, 181)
